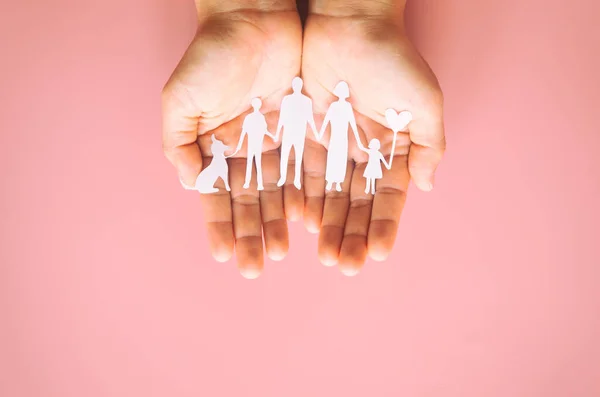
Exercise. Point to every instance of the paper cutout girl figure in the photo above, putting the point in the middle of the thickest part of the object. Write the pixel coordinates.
(296, 112)
(373, 169)
(205, 182)
(255, 126)
(340, 114)
(397, 122)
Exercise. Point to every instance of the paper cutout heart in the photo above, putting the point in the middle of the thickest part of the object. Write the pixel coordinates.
(397, 121)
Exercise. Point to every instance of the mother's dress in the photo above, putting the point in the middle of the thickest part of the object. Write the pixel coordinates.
(339, 114)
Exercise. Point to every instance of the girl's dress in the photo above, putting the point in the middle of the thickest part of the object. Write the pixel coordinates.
(373, 169)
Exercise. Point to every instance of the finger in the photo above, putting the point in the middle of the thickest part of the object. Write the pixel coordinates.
(271, 207)
(353, 252)
(315, 159)
(335, 212)
(218, 216)
(426, 151)
(293, 197)
(388, 203)
(179, 134)
(246, 221)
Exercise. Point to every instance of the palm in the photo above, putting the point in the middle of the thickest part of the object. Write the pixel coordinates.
(383, 71)
(234, 58)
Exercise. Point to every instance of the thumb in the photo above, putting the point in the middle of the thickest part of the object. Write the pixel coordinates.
(180, 132)
(426, 151)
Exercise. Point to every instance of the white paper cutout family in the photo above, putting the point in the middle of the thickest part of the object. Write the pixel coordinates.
(296, 114)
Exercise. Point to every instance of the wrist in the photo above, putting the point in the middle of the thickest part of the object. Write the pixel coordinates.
(359, 8)
(210, 7)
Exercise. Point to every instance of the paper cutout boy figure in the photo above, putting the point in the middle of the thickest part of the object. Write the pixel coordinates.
(255, 126)
(296, 112)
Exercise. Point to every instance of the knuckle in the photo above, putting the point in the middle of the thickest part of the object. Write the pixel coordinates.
(443, 146)
(434, 97)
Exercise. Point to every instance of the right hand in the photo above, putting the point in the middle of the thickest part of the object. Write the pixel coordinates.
(236, 55)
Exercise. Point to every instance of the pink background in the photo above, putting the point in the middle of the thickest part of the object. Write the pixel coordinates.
(107, 288)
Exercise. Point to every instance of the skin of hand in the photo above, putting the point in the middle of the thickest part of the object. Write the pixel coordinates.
(243, 49)
(363, 42)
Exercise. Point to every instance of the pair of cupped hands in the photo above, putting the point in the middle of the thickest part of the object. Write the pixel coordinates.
(255, 51)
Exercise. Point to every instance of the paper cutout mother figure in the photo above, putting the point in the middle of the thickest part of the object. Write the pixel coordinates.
(255, 126)
(296, 112)
(340, 114)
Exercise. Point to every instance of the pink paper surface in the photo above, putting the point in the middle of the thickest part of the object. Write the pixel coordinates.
(107, 287)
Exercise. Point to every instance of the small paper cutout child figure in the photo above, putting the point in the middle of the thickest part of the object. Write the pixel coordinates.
(255, 126)
(373, 170)
(397, 122)
(205, 182)
(296, 112)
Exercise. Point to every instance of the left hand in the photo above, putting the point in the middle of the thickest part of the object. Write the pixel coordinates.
(372, 54)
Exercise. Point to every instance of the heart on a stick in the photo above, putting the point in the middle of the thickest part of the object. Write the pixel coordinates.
(397, 121)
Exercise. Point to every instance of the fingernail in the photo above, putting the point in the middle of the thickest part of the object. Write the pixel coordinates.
(222, 255)
(185, 186)
(350, 271)
(328, 261)
(277, 255)
(427, 185)
(250, 273)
